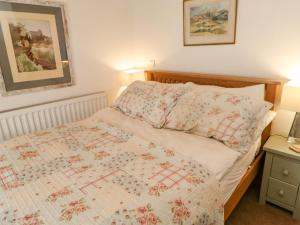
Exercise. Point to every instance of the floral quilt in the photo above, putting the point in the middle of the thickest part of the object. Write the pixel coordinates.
(91, 172)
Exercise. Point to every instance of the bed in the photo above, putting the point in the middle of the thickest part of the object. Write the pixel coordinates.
(273, 92)
(112, 169)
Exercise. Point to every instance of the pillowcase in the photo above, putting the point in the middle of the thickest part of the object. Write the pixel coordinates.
(186, 113)
(133, 98)
(255, 91)
(262, 124)
(226, 117)
(183, 118)
(150, 101)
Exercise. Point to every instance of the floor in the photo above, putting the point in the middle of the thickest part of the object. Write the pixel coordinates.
(249, 212)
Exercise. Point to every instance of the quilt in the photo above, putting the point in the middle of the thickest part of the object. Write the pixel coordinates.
(91, 172)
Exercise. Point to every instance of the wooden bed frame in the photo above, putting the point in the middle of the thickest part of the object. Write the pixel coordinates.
(273, 91)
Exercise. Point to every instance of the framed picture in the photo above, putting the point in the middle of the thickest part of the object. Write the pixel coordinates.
(209, 22)
(34, 47)
(294, 135)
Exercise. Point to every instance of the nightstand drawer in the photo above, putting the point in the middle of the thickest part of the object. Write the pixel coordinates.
(286, 170)
(282, 192)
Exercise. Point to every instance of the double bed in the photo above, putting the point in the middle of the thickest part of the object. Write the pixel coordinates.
(114, 169)
(273, 92)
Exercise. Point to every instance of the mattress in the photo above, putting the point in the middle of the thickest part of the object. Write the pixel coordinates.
(235, 174)
(228, 165)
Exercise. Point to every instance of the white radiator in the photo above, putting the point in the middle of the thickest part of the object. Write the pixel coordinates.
(32, 119)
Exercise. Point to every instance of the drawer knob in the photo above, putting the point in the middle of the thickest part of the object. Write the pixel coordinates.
(285, 172)
(281, 193)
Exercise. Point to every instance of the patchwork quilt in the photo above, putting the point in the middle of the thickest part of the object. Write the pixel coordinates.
(91, 172)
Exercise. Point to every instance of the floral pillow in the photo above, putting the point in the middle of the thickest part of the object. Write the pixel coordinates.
(150, 101)
(133, 99)
(185, 115)
(224, 116)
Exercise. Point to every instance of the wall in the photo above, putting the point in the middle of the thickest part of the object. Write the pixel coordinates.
(267, 39)
(108, 36)
(267, 43)
(101, 41)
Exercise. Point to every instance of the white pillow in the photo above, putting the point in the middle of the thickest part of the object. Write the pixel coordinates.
(263, 123)
(256, 91)
(261, 126)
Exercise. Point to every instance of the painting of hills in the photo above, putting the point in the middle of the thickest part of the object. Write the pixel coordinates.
(32, 44)
(210, 18)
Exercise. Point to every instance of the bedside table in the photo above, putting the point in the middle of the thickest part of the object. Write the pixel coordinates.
(281, 177)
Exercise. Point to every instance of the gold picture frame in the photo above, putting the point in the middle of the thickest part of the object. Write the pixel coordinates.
(209, 22)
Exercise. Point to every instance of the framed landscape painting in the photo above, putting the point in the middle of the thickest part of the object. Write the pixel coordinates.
(34, 47)
(209, 22)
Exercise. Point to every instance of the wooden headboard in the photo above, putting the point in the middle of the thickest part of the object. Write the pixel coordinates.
(273, 88)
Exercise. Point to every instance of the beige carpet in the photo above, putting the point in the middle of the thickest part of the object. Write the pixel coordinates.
(249, 212)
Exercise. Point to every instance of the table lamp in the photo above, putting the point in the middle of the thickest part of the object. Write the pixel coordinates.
(134, 74)
(134, 70)
(291, 101)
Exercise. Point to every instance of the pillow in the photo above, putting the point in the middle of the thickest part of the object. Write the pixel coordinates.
(262, 124)
(149, 101)
(226, 117)
(256, 91)
(186, 113)
(132, 100)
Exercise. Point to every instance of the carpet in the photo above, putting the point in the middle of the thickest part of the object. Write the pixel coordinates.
(249, 212)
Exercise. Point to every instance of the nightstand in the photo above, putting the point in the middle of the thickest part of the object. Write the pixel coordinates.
(281, 177)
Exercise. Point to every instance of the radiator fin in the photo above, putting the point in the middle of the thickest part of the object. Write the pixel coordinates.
(32, 119)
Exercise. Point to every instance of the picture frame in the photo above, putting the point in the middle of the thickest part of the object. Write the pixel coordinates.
(34, 43)
(209, 22)
(294, 135)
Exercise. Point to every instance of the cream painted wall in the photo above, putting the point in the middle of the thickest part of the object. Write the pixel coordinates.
(267, 45)
(101, 41)
(108, 36)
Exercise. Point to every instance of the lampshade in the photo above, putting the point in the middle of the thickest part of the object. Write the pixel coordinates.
(291, 97)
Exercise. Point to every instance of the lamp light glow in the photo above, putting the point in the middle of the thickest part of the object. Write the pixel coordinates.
(291, 101)
(134, 70)
(291, 96)
(293, 83)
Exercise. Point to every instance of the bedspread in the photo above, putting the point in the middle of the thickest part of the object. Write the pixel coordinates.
(91, 172)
